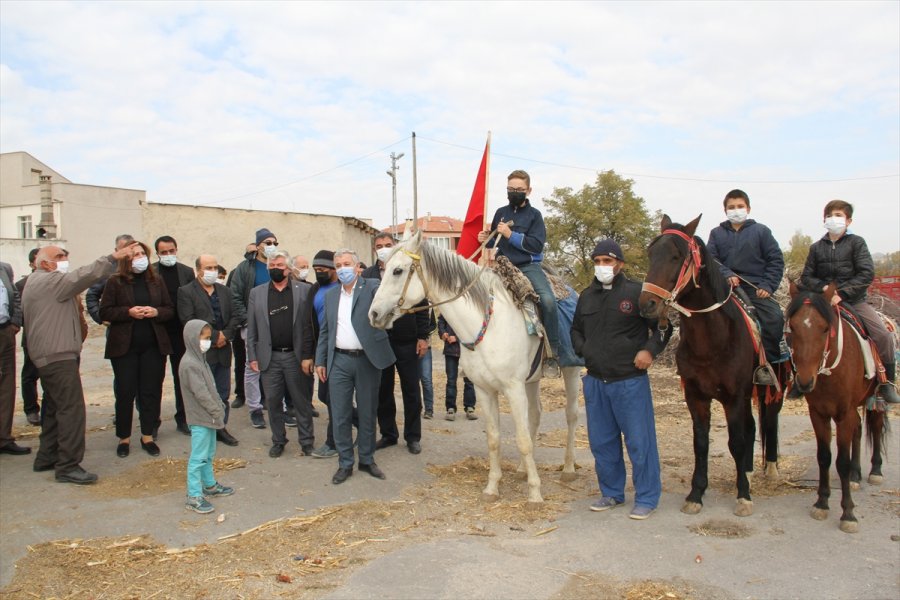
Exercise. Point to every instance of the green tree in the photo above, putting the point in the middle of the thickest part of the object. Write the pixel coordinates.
(795, 255)
(889, 264)
(577, 220)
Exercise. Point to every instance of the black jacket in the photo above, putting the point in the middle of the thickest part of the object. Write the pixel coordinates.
(410, 327)
(444, 327)
(846, 262)
(609, 331)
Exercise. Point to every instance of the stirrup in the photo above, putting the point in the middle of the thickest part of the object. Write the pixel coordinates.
(551, 369)
(887, 392)
(764, 375)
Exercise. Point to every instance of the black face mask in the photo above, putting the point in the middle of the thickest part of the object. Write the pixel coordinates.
(277, 275)
(323, 278)
(516, 198)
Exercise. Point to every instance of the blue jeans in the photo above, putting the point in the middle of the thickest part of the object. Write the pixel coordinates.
(425, 378)
(452, 364)
(613, 410)
(538, 279)
(200, 464)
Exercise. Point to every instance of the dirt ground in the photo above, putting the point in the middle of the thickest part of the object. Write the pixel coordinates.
(425, 531)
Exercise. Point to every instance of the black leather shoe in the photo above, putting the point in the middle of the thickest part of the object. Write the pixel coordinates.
(414, 447)
(341, 475)
(237, 402)
(183, 428)
(226, 438)
(384, 443)
(308, 449)
(77, 475)
(41, 468)
(373, 470)
(122, 450)
(150, 448)
(14, 448)
(276, 450)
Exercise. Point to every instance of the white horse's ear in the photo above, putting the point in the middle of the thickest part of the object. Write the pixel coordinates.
(407, 233)
(415, 239)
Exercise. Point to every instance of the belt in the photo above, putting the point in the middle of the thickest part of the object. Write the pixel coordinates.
(288, 349)
(350, 352)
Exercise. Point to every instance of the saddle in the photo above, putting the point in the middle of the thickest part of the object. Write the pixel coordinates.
(866, 345)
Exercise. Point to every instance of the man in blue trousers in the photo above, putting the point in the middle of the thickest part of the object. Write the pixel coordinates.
(618, 346)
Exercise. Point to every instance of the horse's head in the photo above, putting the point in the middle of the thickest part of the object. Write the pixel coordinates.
(812, 326)
(671, 254)
(401, 287)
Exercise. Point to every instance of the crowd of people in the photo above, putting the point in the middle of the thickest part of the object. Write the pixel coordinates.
(285, 339)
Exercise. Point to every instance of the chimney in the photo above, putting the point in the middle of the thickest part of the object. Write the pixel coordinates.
(47, 226)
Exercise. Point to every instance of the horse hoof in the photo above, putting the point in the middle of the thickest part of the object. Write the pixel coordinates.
(875, 479)
(691, 508)
(744, 508)
(850, 526)
(819, 514)
(771, 470)
(533, 505)
(490, 498)
(854, 485)
(572, 477)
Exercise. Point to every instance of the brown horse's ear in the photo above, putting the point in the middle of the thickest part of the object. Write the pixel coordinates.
(830, 290)
(665, 223)
(691, 227)
(793, 290)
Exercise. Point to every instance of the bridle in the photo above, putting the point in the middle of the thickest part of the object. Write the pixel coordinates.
(823, 368)
(690, 271)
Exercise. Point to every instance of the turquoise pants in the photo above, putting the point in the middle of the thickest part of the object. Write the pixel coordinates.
(200, 464)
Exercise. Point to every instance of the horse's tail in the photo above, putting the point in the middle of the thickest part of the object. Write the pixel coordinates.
(768, 400)
(877, 425)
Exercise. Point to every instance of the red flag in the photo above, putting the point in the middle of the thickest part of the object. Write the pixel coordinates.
(474, 223)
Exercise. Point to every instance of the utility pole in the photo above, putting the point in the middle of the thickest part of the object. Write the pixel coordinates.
(393, 175)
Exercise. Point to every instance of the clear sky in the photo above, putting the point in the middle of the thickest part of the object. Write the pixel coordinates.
(297, 106)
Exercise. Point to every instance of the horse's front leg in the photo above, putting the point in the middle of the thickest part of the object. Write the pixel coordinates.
(768, 425)
(875, 426)
(739, 418)
(572, 377)
(855, 465)
(822, 427)
(488, 398)
(847, 436)
(699, 409)
(533, 393)
(517, 397)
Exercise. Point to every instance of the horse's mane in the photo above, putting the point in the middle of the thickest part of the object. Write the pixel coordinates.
(452, 272)
(818, 302)
(720, 286)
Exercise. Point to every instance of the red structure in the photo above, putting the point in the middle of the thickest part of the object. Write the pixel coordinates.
(888, 285)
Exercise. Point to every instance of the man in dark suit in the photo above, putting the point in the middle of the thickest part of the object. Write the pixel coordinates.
(350, 355)
(209, 301)
(280, 348)
(10, 323)
(175, 275)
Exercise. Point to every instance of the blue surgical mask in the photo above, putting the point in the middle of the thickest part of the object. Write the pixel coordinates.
(346, 275)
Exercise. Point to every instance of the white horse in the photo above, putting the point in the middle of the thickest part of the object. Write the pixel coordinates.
(497, 354)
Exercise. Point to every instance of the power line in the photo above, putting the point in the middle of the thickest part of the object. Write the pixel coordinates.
(666, 177)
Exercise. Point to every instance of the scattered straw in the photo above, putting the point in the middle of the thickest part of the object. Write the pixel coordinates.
(723, 528)
(155, 477)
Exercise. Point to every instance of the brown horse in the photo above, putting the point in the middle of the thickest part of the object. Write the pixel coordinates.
(716, 356)
(822, 343)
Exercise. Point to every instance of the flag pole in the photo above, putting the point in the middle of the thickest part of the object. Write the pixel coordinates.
(487, 179)
(415, 186)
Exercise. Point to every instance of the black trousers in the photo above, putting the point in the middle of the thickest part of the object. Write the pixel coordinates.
(239, 349)
(139, 378)
(62, 430)
(771, 320)
(29, 382)
(176, 338)
(407, 366)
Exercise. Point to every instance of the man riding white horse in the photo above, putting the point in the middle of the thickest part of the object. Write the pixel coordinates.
(523, 244)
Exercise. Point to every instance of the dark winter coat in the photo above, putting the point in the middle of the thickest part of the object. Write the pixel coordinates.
(750, 252)
(846, 262)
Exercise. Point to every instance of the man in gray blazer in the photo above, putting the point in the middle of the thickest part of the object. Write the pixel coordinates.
(209, 301)
(350, 355)
(280, 348)
(10, 323)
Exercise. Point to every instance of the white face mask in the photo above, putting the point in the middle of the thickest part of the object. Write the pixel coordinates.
(205, 345)
(62, 266)
(140, 264)
(835, 225)
(221, 281)
(383, 253)
(168, 260)
(210, 277)
(604, 273)
(736, 215)
(270, 251)
(302, 274)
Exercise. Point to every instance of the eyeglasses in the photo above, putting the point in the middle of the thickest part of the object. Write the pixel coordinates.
(270, 243)
(511, 189)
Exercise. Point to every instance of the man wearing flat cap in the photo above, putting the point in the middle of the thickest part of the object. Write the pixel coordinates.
(618, 346)
(250, 273)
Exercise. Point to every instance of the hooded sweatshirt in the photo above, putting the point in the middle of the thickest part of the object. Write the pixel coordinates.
(202, 405)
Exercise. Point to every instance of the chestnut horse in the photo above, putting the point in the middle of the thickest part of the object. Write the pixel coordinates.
(822, 343)
(716, 356)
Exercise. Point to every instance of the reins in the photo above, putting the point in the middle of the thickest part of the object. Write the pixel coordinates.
(823, 368)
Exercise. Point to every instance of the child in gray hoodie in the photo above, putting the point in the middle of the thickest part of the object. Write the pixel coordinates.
(204, 413)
